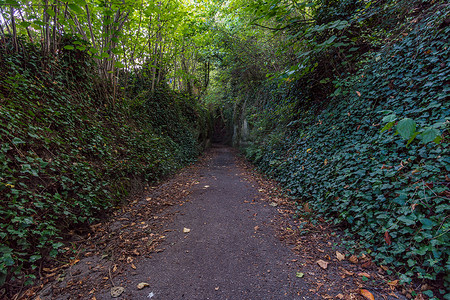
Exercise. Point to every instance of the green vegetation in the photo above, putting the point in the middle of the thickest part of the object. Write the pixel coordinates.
(343, 102)
(346, 104)
(68, 152)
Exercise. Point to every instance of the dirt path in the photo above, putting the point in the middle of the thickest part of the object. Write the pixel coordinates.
(212, 232)
(223, 256)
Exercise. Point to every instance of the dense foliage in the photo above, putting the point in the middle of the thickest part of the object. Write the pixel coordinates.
(70, 151)
(354, 120)
(344, 102)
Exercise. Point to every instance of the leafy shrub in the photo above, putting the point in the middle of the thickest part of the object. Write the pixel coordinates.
(68, 154)
(390, 196)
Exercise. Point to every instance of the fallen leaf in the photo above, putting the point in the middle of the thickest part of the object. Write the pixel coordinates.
(142, 285)
(186, 230)
(387, 238)
(133, 266)
(366, 294)
(299, 275)
(353, 259)
(346, 272)
(364, 274)
(393, 294)
(323, 264)
(216, 288)
(358, 93)
(114, 268)
(273, 204)
(129, 259)
(367, 264)
(393, 283)
(73, 262)
(116, 291)
(340, 296)
(306, 208)
(340, 256)
(256, 227)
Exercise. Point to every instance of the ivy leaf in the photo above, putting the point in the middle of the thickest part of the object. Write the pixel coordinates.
(389, 118)
(17, 141)
(429, 135)
(406, 128)
(406, 220)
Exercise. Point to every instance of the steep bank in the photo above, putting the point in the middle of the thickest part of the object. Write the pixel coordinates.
(373, 157)
(71, 149)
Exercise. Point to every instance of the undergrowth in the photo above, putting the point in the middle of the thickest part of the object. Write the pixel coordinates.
(389, 189)
(70, 151)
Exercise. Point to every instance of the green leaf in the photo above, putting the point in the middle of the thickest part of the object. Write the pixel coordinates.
(118, 64)
(406, 128)
(389, 118)
(25, 24)
(387, 127)
(427, 223)
(406, 220)
(429, 135)
(76, 8)
(50, 12)
(412, 138)
(17, 141)
(299, 275)
(438, 139)
(428, 293)
(69, 47)
(34, 258)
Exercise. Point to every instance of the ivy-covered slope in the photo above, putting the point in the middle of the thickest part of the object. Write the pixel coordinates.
(391, 198)
(69, 151)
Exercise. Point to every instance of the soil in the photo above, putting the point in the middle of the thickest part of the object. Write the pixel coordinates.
(217, 230)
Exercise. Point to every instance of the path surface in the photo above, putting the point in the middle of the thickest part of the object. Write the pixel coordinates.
(242, 243)
(223, 256)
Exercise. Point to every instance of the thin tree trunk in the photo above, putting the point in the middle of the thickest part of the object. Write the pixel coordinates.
(6, 23)
(46, 29)
(55, 27)
(13, 26)
(1, 28)
(90, 27)
(28, 29)
(161, 53)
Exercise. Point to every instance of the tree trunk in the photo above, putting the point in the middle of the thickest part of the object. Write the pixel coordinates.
(14, 31)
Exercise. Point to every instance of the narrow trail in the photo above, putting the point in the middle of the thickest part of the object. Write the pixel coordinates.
(211, 232)
(231, 251)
